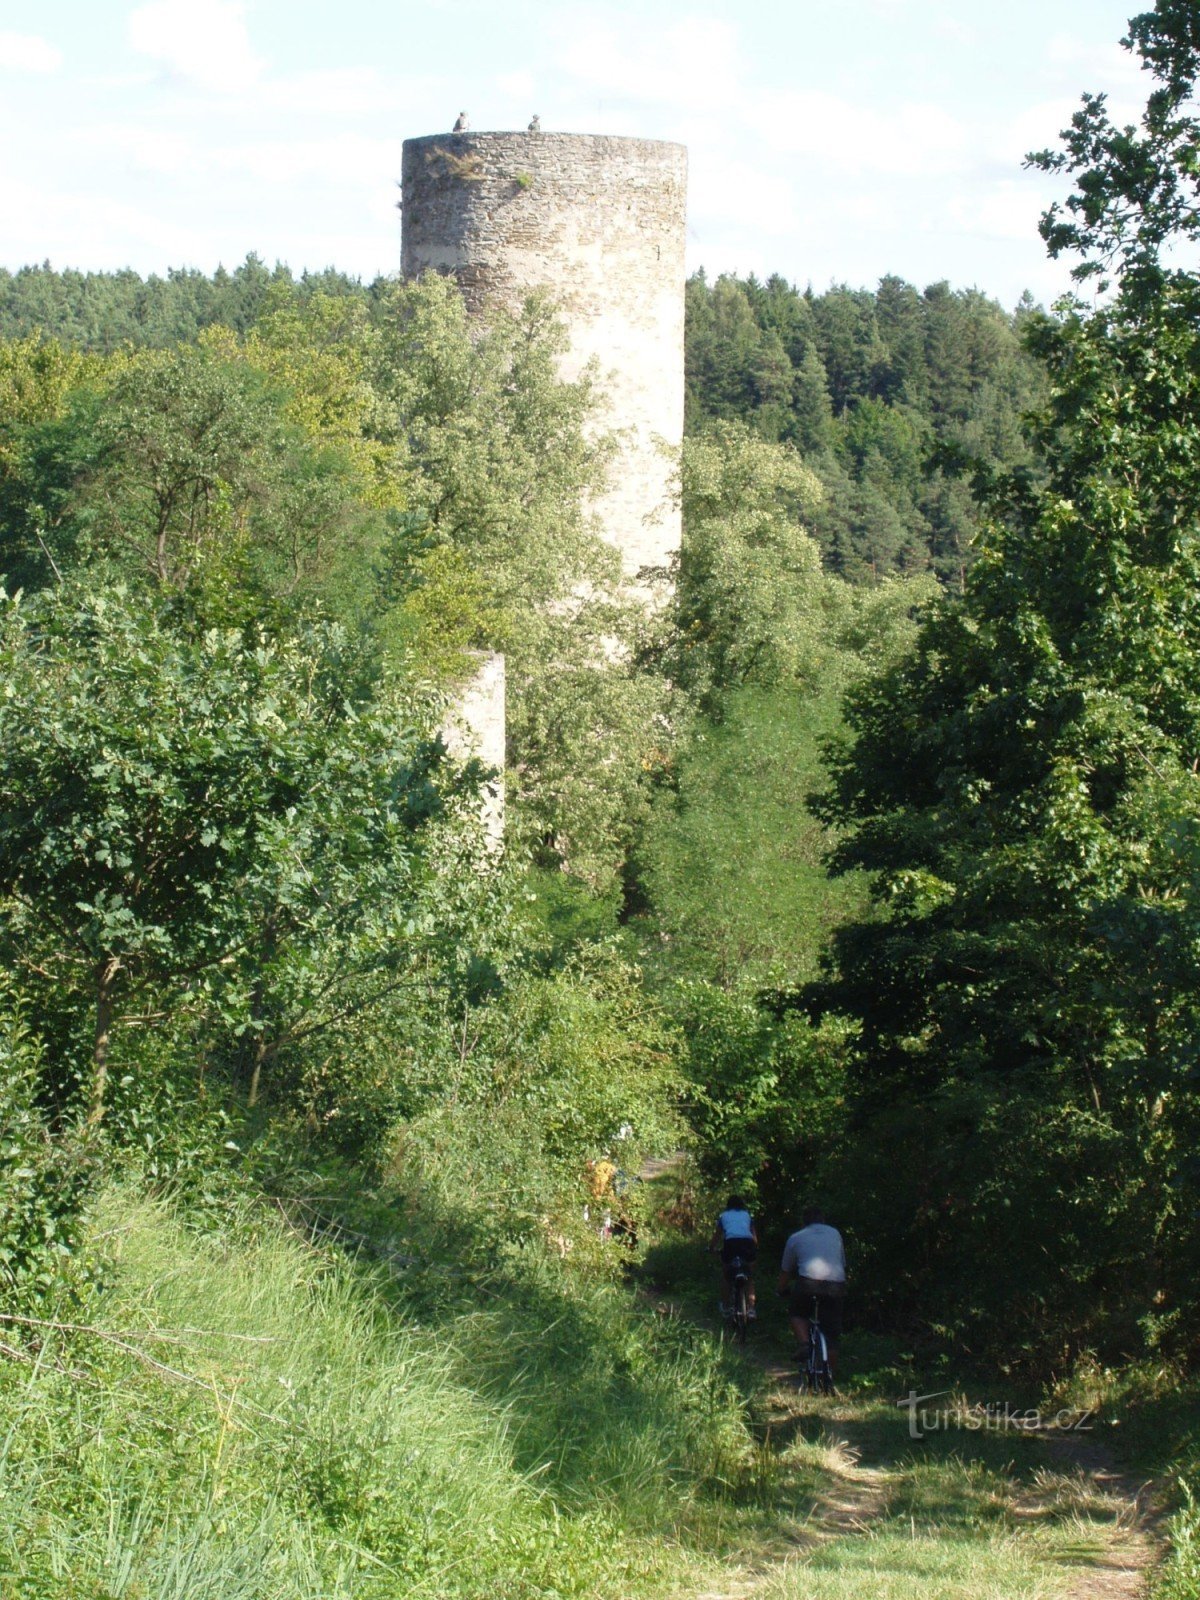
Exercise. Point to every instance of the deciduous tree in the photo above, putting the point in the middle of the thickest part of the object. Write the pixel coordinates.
(1024, 790)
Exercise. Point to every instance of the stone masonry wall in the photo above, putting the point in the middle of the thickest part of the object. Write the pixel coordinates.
(474, 726)
(599, 222)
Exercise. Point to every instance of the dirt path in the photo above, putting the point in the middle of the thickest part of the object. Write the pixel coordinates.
(1081, 1527)
(1136, 1543)
(1073, 1479)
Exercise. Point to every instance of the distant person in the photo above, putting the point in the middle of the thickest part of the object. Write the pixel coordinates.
(600, 1176)
(461, 124)
(735, 1238)
(814, 1264)
(535, 124)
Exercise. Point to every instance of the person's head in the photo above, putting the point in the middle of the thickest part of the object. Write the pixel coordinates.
(735, 1203)
(812, 1214)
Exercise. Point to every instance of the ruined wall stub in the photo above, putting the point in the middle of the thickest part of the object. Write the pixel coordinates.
(599, 223)
(474, 726)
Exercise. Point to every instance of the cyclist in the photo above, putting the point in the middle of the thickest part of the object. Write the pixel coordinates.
(814, 1263)
(735, 1236)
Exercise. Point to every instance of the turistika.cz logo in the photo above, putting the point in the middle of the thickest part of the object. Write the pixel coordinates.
(925, 1418)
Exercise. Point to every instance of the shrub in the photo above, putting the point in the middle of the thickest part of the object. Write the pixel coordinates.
(41, 1183)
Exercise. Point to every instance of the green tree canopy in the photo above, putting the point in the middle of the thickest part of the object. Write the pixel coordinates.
(1023, 790)
(187, 824)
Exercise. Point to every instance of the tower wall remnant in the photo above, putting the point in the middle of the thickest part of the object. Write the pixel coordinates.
(474, 726)
(599, 223)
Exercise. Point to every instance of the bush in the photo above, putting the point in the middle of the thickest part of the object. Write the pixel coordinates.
(766, 1093)
(41, 1183)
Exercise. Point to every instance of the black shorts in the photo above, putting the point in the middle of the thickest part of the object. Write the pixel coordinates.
(829, 1309)
(745, 1249)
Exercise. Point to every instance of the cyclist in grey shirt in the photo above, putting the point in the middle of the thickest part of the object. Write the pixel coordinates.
(814, 1264)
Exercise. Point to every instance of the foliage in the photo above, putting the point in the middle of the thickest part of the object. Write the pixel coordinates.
(767, 1094)
(107, 311)
(499, 554)
(946, 366)
(753, 605)
(191, 472)
(871, 388)
(41, 1182)
(203, 825)
(581, 1061)
(731, 861)
(1023, 791)
(373, 463)
(36, 377)
(748, 573)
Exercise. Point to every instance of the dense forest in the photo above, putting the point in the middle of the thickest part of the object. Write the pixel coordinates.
(865, 870)
(885, 393)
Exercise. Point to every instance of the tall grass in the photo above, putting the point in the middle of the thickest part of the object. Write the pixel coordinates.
(610, 1403)
(1154, 1408)
(249, 1417)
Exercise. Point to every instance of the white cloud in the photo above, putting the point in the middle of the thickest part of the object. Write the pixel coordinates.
(1099, 69)
(726, 195)
(874, 211)
(75, 229)
(954, 29)
(146, 149)
(911, 140)
(27, 52)
(329, 91)
(1008, 210)
(1035, 127)
(1079, 57)
(347, 159)
(520, 85)
(205, 42)
(693, 63)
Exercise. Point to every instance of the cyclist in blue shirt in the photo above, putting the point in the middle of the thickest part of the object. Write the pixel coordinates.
(735, 1237)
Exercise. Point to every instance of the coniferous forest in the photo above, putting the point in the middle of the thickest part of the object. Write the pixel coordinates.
(881, 392)
(864, 871)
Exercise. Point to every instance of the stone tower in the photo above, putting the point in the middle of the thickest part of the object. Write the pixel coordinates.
(599, 223)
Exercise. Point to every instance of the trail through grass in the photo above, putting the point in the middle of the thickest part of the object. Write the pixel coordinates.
(244, 1416)
(976, 1508)
(966, 1517)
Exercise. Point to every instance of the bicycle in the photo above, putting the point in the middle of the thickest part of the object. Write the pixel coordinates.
(739, 1301)
(816, 1375)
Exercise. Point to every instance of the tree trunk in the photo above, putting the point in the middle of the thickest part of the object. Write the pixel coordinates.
(106, 973)
(259, 1013)
(260, 1055)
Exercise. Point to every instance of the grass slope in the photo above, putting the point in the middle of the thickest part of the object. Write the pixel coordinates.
(253, 1419)
(242, 1415)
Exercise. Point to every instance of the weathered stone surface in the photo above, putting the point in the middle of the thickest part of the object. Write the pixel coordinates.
(599, 222)
(474, 725)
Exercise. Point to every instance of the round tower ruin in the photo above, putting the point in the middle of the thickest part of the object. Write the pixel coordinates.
(599, 223)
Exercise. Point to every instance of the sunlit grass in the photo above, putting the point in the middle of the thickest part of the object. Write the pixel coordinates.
(253, 1418)
(267, 1426)
(894, 1562)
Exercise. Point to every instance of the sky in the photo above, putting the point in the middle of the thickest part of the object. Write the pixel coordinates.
(831, 141)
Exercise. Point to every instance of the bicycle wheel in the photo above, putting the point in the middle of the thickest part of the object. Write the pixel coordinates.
(741, 1311)
(823, 1373)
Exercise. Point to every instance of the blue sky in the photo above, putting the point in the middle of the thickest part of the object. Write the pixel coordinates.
(829, 140)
